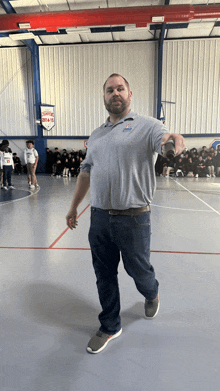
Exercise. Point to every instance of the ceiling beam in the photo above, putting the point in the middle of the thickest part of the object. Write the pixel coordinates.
(7, 7)
(141, 16)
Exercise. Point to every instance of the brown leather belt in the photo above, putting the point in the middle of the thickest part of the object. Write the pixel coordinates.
(129, 212)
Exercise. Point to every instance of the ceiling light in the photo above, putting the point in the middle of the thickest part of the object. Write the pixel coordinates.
(201, 25)
(130, 27)
(133, 27)
(22, 36)
(157, 19)
(75, 30)
(24, 26)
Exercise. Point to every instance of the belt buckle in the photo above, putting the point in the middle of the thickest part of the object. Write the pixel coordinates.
(112, 212)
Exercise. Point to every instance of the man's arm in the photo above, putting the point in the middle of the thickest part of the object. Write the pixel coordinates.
(25, 156)
(178, 141)
(36, 161)
(82, 187)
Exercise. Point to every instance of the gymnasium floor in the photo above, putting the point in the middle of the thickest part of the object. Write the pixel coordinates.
(50, 305)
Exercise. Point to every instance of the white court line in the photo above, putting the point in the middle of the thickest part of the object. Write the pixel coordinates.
(31, 193)
(209, 206)
(183, 209)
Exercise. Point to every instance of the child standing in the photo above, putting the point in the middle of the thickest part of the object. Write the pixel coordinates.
(31, 159)
(7, 164)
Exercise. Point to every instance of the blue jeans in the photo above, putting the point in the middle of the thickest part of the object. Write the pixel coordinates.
(110, 235)
(7, 175)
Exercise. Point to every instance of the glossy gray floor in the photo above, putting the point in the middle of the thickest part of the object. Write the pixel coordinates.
(49, 303)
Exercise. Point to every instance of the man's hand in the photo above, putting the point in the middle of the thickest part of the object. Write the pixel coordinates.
(178, 141)
(71, 218)
(82, 187)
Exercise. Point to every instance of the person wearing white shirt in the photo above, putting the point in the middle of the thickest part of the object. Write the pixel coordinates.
(31, 159)
(7, 164)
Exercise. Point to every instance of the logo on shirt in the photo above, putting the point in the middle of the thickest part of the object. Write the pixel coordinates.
(128, 127)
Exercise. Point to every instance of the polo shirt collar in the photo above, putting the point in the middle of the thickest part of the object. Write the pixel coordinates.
(130, 116)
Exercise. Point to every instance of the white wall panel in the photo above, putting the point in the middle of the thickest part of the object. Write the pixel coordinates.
(191, 81)
(72, 78)
(16, 93)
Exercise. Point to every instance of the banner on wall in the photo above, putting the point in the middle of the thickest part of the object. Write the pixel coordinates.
(47, 116)
(215, 143)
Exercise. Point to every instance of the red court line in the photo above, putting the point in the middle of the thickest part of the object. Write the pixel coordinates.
(183, 252)
(88, 249)
(152, 251)
(23, 248)
(63, 233)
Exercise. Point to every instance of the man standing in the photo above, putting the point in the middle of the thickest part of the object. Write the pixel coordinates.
(31, 159)
(119, 169)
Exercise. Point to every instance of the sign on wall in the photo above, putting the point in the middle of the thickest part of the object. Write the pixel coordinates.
(215, 143)
(47, 116)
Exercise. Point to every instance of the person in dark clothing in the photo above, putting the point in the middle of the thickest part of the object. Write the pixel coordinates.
(203, 152)
(202, 169)
(59, 168)
(77, 164)
(159, 165)
(49, 161)
(56, 155)
(66, 166)
(17, 164)
(168, 167)
(72, 167)
(185, 159)
(216, 160)
(179, 167)
(64, 157)
(191, 167)
(210, 165)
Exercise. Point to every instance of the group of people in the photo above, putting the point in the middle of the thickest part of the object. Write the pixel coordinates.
(193, 163)
(11, 163)
(63, 163)
(57, 164)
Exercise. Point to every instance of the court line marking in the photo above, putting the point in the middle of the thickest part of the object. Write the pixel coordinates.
(31, 193)
(88, 249)
(63, 233)
(209, 206)
(182, 209)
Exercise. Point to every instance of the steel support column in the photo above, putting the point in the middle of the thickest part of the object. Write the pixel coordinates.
(40, 143)
(160, 70)
(7, 7)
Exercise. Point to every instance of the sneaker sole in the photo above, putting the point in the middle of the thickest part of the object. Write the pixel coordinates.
(103, 347)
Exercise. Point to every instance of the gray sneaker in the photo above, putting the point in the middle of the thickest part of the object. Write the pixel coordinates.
(99, 341)
(152, 307)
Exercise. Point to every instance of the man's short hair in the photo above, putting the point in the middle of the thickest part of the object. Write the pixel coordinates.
(116, 75)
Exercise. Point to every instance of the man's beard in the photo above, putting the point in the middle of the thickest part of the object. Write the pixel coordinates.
(116, 109)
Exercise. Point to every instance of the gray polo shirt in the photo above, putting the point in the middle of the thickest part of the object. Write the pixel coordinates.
(121, 159)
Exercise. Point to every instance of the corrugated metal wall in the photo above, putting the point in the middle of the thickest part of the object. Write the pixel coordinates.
(17, 116)
(72, 78)
(191, 85)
